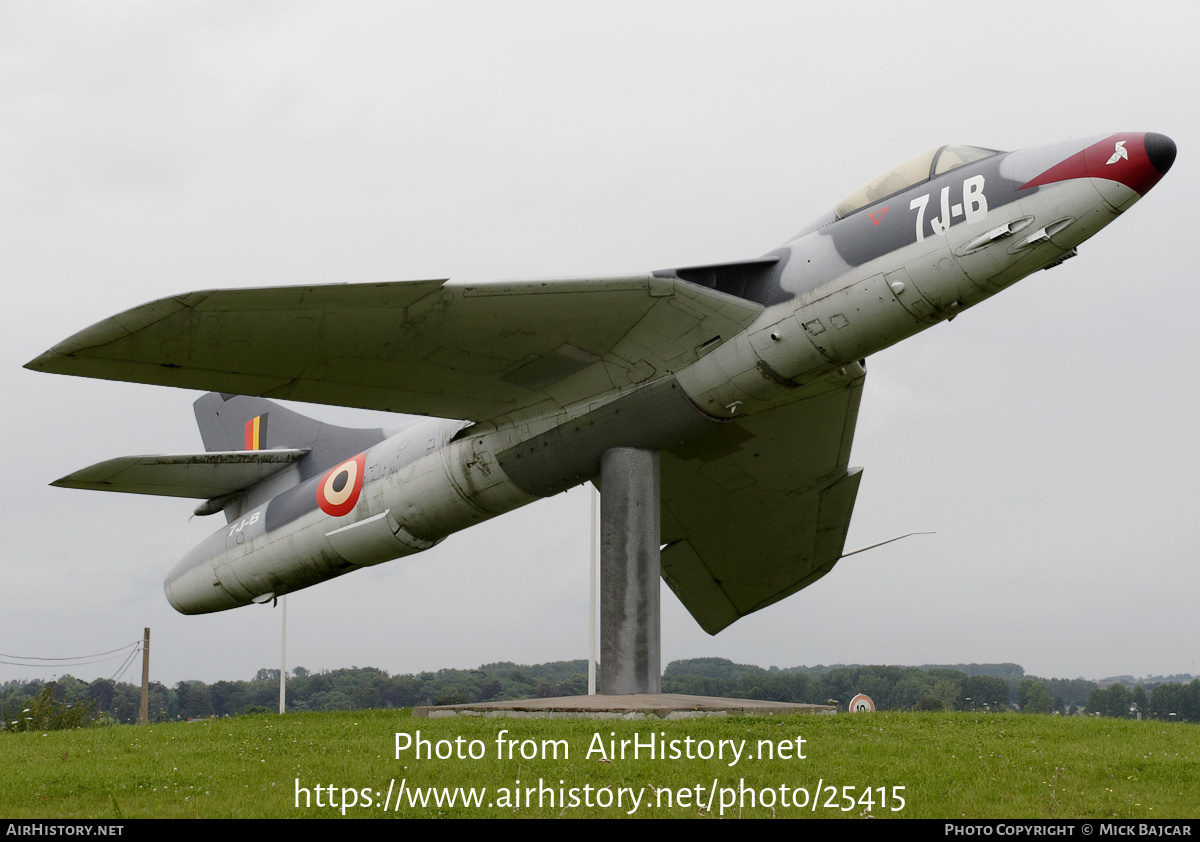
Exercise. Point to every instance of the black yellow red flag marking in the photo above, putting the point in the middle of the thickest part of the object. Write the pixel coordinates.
(256, 432)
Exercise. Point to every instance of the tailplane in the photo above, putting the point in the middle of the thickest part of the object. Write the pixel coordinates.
(255, 449)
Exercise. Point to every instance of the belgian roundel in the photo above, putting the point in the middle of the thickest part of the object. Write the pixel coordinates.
(338, 490)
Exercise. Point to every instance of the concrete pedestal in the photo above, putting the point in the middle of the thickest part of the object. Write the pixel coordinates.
(630, 574)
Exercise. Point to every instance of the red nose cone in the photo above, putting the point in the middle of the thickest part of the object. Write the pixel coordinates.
(1137, 160)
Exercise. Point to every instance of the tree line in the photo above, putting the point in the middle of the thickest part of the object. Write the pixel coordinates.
(69, 702)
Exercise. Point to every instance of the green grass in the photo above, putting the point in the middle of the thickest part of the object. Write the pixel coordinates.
(950, 765)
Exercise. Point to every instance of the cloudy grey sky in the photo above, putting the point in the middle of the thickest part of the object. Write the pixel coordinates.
(1047, 435)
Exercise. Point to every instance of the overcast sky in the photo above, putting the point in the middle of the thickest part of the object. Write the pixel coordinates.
(1048, 435)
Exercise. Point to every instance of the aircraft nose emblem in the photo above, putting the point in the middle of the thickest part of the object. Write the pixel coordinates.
(1118, 153)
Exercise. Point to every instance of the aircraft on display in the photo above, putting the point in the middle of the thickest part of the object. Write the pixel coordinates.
(745, 377)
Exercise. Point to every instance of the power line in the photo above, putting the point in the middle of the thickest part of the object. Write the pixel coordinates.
(128, 661)
(72, 661)
(35, 657)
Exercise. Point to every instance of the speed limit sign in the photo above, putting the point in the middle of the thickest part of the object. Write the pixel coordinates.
(861, 704)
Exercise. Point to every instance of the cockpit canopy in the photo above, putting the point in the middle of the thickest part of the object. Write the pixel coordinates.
(915, 170)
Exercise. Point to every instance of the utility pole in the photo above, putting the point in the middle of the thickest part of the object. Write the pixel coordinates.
(144, 713)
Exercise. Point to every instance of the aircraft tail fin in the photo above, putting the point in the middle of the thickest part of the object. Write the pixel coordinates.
(241, 423)
(237, 422)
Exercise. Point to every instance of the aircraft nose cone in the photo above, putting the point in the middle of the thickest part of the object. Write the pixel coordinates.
(1136, 159)
(1160, 150)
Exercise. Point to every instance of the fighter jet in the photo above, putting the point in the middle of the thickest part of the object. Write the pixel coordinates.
(744, 377)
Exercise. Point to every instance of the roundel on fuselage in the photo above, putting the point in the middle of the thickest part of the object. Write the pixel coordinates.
(338, 490)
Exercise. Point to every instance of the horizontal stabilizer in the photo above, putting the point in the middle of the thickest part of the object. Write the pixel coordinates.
(197, 475)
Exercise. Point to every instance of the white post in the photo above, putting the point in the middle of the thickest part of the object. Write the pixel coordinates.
(592, 601)
(283, 658)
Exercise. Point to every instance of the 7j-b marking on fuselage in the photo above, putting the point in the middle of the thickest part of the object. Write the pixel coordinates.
(974, 206)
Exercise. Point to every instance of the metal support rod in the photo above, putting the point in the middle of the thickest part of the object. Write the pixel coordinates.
(594, 541)
(630, 650)
(283, 657)
(144, 711)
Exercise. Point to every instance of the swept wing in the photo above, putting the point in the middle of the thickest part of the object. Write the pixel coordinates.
(418, 347)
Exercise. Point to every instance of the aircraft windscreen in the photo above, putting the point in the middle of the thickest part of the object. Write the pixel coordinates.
(916, 169)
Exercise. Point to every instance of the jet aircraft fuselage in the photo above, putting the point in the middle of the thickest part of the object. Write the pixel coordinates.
(745, 376)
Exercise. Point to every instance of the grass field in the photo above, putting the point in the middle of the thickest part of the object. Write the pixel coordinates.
(935, 765)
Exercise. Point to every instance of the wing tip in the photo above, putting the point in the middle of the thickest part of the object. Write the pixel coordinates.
(47, 361)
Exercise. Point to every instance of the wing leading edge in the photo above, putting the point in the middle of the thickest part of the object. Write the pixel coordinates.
(766, 516)
(420, 347)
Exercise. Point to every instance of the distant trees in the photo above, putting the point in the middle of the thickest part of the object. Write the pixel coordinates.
(66, 701)
(892, 688)
(228, 697)
(52, 709)
(1176, 701)
(1069, 691)
(1033, 697)
(194, 700)
(983, 692)
(1167, 701)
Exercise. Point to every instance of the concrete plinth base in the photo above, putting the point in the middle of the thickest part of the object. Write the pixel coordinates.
(630, 573)
(643, 706)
